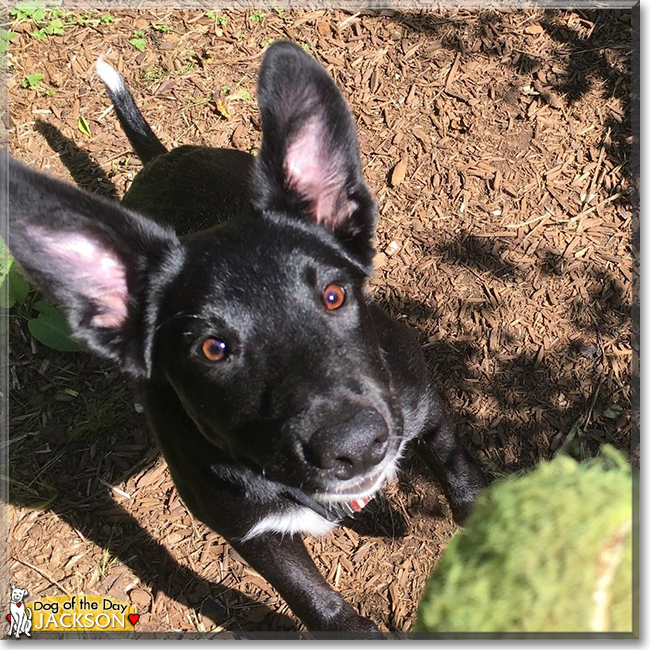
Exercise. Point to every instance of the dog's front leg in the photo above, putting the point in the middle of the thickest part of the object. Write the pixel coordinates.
(457, 471)
(226, 508)
(286, 564)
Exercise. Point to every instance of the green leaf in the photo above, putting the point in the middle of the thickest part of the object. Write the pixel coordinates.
(34, 9)
(6, 261)
(44, 306)
(18, 288)
(83, 126)
(18, 13)
(18, 285)
(5, 267)
(32, 80)
(139, 43)
(612, 412)
(5, 38)
(55, 27)
(51, 329)
(241, 93)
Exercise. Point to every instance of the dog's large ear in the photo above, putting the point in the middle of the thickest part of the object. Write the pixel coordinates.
(309, 161)
(103, 265)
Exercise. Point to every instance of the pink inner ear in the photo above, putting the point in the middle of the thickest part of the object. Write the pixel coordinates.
(94, 271)
(318, 174)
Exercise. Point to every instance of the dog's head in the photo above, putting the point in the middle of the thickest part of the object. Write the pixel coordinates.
(260, 324)
(17, 594)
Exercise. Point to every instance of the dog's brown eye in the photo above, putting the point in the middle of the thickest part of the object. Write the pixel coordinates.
(214, 349)
(333, 296)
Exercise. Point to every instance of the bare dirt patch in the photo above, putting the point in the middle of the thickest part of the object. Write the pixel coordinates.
(498, 146)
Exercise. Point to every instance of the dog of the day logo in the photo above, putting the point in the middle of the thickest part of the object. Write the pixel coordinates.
(20, 618)
(74, 613)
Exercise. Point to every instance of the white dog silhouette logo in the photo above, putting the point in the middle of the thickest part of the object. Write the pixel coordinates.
(20, 617)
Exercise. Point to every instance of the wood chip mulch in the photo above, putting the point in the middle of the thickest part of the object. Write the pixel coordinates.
(499, 147)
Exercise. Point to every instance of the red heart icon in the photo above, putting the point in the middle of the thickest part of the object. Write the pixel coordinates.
(9, 617)
(19, 604)
(134, 618)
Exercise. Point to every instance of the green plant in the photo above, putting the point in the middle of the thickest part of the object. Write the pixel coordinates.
(218, 19)
(38, 13)
(222, 20)
(151, 75)
(101, 416)
(257, 16)
(34, 9)
(53, 28)
(138, 41)
(35, 495)
(13, 285)
(50, 327)
(266, 42)
(32, 80)
(83, 126)
(161, 28)
(87, 18)
(549, 551)
(108, 560)
(241, 93)
(5, 38)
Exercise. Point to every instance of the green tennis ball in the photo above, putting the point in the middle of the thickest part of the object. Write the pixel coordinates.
(550, 551)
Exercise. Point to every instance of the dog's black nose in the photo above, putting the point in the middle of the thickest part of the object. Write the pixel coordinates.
(349, 448)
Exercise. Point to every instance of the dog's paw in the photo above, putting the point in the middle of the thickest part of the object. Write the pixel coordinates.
(359, 627)
(366, 629)
(462, 503)
(344, 622)
(461, 511)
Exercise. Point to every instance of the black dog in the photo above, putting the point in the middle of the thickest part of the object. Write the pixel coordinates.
(233, 289)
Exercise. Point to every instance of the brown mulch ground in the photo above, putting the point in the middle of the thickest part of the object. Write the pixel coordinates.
(498, 145)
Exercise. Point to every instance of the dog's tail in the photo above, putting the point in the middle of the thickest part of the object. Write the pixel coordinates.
(142, 138)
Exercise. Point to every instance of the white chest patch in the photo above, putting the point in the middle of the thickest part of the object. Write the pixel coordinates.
(296, 520)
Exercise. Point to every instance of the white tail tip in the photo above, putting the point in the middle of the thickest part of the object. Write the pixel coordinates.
(109, 75)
